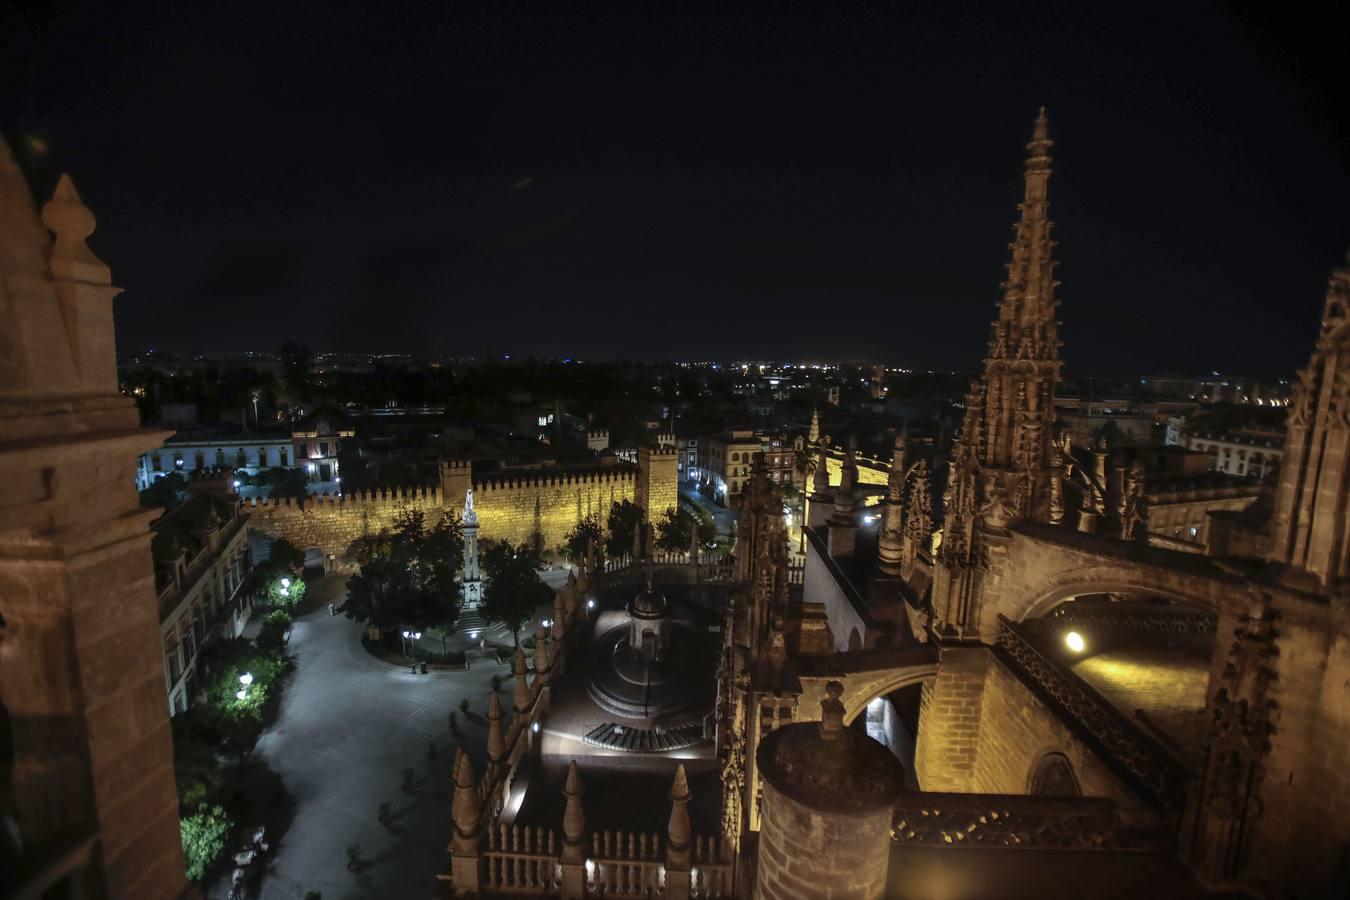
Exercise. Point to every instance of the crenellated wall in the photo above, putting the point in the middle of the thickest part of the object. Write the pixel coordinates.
(510, 507)
(517, 509)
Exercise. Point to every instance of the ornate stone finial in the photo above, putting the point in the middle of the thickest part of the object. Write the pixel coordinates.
(559, 616)
(832, 712)
(71, 222)
(574, 818)
(542, 660)
(496, 741)
(678, 831)
(464, 807)
(522, 697)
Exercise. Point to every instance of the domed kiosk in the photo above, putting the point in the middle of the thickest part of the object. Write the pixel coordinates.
(642, 668)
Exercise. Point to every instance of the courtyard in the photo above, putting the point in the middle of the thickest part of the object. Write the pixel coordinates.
(348, 730)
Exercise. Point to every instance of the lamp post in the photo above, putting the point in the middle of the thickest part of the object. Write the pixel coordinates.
(245, 680)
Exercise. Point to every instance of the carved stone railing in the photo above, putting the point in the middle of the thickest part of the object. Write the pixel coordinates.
(626, 865)
(1133, 617)
(714, 868)
(1155, 773)
(521, 861)
(1013, 822)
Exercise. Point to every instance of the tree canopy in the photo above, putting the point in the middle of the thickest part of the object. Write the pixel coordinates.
(512, 590)
(624, 518)
(407, 579)
(580, 537)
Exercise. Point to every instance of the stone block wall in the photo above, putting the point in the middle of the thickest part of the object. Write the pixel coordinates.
(804, 854)
(1301, 835)
(950, 710)
(1016, 732)
(550, 506)
(657, 488)
(333, 523)
(514, 508)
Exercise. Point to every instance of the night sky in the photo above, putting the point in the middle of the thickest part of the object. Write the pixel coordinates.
(823, 181)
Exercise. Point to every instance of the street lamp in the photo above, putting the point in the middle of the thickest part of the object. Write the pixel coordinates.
(246, 679)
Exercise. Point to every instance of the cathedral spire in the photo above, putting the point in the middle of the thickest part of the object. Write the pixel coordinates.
(1026, 327)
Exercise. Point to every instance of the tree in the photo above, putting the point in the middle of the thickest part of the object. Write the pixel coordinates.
(579, 539)
(624, 519)
(167, 491)
(204, 834)
(279, 576)
(408, 577)
(512, 589)
(281, 483)
(675, 531)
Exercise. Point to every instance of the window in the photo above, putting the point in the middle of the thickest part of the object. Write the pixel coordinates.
(220, 457)
(285, 457)
(240, 460)
(178, 460)
(200, 457)
(155, 462)
(323, 448)
(171, 661)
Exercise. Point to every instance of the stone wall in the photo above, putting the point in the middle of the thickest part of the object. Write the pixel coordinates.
(803, 853)
(1301, 832)
(950, 710)
(509, 508)
(1017, 730)
(659, 489)
(333, 523)
(550, 506)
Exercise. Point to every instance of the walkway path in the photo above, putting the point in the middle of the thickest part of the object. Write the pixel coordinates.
(347, 727)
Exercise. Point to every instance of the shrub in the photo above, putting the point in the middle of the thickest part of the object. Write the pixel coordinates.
(275, 624)
(204, 833)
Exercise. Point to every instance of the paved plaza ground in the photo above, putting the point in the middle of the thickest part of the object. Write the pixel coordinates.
(347, 727)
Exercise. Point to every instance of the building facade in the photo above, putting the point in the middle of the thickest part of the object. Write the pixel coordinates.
(201, 566)
(1245, 455)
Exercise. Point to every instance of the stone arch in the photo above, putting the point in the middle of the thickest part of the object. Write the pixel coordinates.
(1123, 581)
(860, 690)
(315, 558)
(1053, 776)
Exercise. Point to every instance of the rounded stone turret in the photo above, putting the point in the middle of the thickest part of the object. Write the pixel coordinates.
(828, 790)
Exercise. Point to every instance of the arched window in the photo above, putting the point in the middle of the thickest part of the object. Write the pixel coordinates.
(1053, 777)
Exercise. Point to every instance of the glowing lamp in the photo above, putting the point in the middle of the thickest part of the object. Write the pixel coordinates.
(285, 582)
(240, 695)
(535, 727)
(1074, 641)
(246, 679)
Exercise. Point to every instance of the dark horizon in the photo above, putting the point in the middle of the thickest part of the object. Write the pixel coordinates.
(801, 183)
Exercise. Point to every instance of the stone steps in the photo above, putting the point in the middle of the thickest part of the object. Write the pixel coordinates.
(613, 736)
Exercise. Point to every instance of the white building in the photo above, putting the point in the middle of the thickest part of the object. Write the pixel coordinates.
(1247, 455)
(201, 563)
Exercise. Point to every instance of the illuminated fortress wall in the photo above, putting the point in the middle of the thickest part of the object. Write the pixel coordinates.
(513, 508)
(516, 509)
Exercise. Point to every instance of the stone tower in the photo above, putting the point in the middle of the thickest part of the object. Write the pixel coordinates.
(1311, 530)
(81, 672)
(831, 789)
(1002, 467)
(657, 488)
